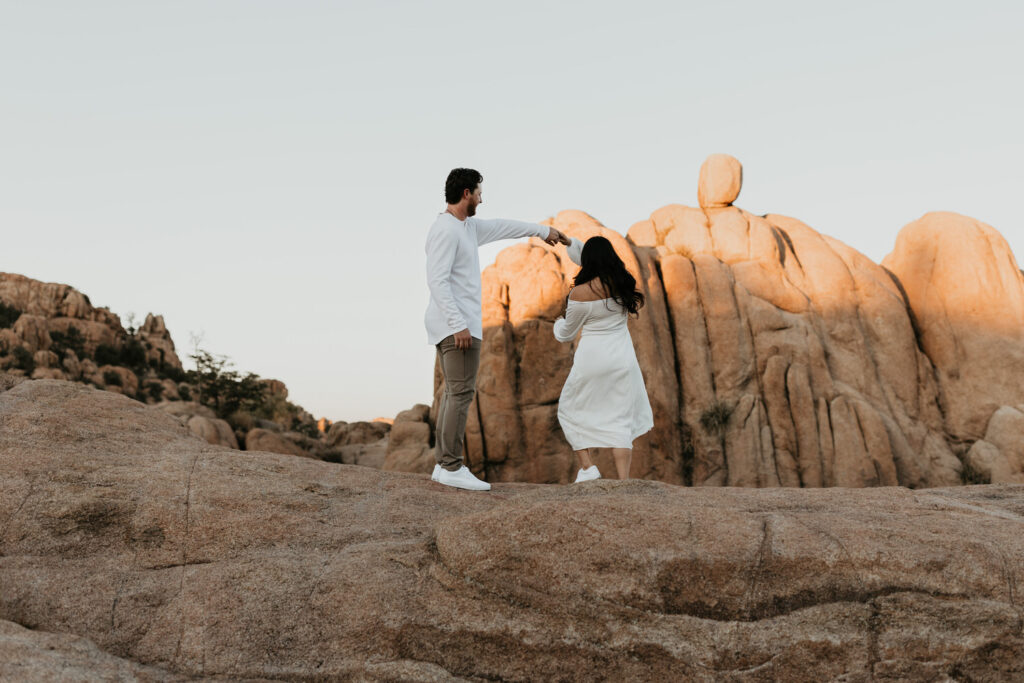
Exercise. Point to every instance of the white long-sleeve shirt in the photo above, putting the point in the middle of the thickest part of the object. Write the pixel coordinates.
(453, 270)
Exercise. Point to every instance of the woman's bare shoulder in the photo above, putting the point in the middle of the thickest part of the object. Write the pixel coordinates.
(588, 291)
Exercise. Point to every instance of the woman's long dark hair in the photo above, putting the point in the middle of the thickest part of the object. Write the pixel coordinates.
(600, 261)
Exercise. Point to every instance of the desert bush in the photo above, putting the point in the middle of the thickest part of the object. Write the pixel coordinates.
(715, 419)
(107, 355)
(8, 315)
(229, 393)
(175, 374)
(307, 429)
(277, 408)
(972, 475)
(111, 378)
(184, 392)
(71, 340)
(131, 355)
(155, 390)
(225, 391)
(23, 359)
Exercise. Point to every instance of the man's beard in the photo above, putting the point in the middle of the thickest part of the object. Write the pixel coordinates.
(470, 210)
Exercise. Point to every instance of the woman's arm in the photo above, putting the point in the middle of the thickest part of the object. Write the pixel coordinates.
(575, 250)
(568, 327)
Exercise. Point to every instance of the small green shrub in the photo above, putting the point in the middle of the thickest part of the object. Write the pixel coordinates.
(155, 390)
(177, 375)
(225, 391)
(184, 392)
(111, 378)
(972, 475)
(71, 340)
(133, 354)
(23, 359)
(8, 315)
(308, 429)
(107, 355)
(715, 419)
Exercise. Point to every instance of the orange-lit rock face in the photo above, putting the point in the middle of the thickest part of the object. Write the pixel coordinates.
(808, 344)
(967, 294)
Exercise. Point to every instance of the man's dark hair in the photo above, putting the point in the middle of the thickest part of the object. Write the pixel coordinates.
(458, 180)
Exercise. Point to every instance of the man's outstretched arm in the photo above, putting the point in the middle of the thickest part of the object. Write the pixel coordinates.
(494, 229)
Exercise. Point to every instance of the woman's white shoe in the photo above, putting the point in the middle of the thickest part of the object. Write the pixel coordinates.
(588, 474)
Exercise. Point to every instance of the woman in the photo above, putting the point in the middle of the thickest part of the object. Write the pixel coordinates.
(604, 402)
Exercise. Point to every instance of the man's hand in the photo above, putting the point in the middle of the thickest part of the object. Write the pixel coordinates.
(556, 236)
(463, 340)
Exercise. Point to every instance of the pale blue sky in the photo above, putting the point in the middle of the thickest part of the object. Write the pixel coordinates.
(265, 172)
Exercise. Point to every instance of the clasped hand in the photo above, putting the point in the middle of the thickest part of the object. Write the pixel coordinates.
(556, 236)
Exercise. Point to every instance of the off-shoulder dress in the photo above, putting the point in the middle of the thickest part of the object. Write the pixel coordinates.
(604, 401)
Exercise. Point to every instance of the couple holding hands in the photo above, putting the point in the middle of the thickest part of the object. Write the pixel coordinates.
(603, 402)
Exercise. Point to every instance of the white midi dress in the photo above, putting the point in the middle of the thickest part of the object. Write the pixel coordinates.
(604, 401)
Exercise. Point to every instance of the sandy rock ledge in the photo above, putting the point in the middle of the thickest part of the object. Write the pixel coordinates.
(176, 557)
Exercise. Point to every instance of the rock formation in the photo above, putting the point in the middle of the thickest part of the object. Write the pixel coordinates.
(69, 338)
(410, 447)
(773, 355)
(967, 294)
(52, 331)
(168, 557)
(157, 339)
(214, 431)
(271, 442)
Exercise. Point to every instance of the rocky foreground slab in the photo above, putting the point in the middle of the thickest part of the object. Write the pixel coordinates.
(131, 548)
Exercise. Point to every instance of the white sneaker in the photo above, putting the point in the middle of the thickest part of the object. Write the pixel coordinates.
(587, 474)
(437, 470)
(462, 478)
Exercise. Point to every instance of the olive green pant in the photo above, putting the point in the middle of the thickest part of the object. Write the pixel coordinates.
(459, 368)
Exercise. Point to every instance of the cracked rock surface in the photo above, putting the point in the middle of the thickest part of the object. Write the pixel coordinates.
(175, 558)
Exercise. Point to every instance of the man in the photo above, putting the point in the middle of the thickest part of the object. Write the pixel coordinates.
(454, 319)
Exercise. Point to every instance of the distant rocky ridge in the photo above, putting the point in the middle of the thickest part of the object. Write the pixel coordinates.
(52, 331)
(773, 355)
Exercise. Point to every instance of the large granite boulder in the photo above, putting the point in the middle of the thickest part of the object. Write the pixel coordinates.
(119, 379)
(174, 556)
(213, 430)
(998, 458)
(409, 442)
(967, 294)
